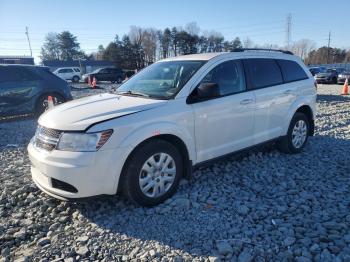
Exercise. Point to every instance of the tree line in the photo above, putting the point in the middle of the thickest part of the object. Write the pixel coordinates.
(143, 46)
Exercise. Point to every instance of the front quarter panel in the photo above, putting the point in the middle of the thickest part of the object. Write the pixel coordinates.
(173, 118)
(131, 130)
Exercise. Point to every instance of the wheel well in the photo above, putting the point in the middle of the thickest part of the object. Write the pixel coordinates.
(47, 94)
(307, 111)
(174, 140)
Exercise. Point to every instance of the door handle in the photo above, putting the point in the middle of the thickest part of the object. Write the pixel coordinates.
(246, 101)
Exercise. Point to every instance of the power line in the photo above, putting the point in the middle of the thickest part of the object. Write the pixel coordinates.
(328, 47)
(289, 31)
(30, 48)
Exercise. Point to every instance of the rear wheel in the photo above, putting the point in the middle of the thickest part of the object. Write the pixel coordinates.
(152, 173)
(297, 135)
(75, 79)
(42, 103)
(119, 80)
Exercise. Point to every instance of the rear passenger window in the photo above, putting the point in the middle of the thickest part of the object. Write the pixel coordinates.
(291, 71)
(229, 76)
(263, 72)
(16, 74)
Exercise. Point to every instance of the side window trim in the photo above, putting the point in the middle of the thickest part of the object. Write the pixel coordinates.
(291, 81)
(247, 73)
(221, 96)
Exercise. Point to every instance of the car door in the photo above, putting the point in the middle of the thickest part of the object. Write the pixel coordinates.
(60, 73)
(224, 124)
(102, 75)
(64, 73)
(17, 86)
(273, 97)
(69, 74)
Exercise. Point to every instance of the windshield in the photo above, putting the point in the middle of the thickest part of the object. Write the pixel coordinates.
(161, 80)
(96, 71)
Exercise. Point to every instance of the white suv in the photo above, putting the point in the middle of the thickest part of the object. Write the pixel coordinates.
(68, 73)
(169, 118)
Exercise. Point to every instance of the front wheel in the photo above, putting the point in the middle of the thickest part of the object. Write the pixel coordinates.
(152, 173)
(42, 103)
(297, 135)
(75, 79)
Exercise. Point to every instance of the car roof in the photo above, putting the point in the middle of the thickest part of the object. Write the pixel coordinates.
(67, 67)
(243, 54)
(24, 65)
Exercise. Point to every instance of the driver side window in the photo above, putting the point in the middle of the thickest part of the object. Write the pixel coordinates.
(228, 76)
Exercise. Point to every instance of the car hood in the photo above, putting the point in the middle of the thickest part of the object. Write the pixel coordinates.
(81, 113)
(323, 74)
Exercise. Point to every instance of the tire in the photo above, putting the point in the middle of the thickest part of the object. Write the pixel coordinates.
(113, 81)
(41, 104)
(286, 144)
(334, 80)
(75, 79)
(139, 170)
(119, 80)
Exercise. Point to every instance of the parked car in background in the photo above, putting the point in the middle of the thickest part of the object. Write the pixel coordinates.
(315, 70)
(25, 89)
(343, 76)
(172, 116)
(330, 76)
(68, 73)
(105, 74)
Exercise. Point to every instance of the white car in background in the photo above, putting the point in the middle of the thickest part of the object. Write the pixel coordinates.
(171, 117)
(68, 73)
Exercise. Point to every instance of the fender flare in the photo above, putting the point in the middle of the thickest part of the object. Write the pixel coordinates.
(153, 130)
(293, 109)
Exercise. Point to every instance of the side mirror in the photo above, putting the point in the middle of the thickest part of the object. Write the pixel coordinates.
(207, 91)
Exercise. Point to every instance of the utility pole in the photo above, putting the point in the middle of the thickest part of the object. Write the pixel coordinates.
(30, 47)
(328, 47)
(288, 31)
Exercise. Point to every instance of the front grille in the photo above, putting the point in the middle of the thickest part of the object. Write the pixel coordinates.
(46, 138)
(50, 132)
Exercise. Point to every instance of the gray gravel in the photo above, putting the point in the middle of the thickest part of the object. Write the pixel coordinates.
(264, 206)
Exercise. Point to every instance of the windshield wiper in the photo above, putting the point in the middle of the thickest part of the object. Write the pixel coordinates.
(132, 93)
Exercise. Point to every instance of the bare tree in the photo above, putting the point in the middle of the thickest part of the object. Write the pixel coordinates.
(248, 43)
(136, 34)
(192, 28)
(303, 47)
(146, 38)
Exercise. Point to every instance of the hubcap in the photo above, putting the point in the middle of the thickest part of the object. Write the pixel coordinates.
(45, 104)
(157, 175)
(299, 133)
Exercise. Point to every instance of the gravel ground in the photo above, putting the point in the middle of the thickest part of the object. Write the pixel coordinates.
(264, 206)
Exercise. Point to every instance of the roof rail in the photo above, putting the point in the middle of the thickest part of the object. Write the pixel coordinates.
(262, 49)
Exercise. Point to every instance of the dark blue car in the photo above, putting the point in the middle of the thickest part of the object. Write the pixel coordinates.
(24, 89)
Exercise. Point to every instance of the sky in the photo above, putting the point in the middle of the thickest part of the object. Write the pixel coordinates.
(97, 22)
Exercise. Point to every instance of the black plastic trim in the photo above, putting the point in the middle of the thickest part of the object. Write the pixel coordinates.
(262, 49)
(240, 151)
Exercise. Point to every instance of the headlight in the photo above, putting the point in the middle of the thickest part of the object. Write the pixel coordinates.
(340, 75)
(83, 142)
